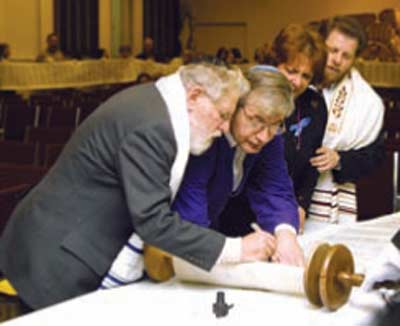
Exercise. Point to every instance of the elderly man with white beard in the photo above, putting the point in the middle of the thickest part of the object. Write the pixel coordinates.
(118, 175)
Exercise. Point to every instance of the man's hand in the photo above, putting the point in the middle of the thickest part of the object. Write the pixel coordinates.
(288, 250)
(325, 160)
(302, 219)
(259, 245)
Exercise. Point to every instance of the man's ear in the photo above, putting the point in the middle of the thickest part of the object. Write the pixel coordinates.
(192, 94)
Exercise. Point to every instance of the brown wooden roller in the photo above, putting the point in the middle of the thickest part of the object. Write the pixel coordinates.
(328, 276)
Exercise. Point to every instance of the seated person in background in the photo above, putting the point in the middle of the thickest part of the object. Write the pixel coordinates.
(148, 52)
(4, 51)
(228, 55)
(250, 160)
(355, 118)
(52, 52)
(117, 175)
(125, 51)
(187, 56)
(143, 78)
(101, 53)
(237, 56)
(222, 54)
(230, 59)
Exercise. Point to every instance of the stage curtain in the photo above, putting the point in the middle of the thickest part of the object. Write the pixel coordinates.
(162, 22)
(77, 24)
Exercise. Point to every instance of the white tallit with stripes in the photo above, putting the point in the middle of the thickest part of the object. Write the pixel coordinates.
(128, 265)
(355, 117)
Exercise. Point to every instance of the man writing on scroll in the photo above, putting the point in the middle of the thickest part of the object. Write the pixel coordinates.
(117, 176)
(355, 115)
(250, 159)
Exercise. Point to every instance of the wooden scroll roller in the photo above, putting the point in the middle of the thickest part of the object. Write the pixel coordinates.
(329, 276)
(326, 280)
(158, 264)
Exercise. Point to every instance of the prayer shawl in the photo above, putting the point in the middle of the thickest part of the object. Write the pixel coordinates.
(355, 117)
(128, 266)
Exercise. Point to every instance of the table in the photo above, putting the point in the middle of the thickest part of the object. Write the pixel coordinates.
(175, 303)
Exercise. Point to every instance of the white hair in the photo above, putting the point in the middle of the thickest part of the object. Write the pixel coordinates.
(270, 92)
(216, 81)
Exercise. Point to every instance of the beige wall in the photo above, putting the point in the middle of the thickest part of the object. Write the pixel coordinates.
(24, 24)
(105, 25)
(126, 22)
(122, 27)
(264, 18)
(247, 24)
(137, 25)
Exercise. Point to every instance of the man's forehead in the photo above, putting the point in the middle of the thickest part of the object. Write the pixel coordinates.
(339, 39)
(272, 118)
(267, 114)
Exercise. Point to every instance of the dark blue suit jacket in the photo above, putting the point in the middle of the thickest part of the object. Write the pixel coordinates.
(207, 186)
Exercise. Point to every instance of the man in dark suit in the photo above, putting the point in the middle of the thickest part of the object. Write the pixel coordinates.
(248, 161)
(118, 174)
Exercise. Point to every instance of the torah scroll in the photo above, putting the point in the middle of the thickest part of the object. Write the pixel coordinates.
(256, 275)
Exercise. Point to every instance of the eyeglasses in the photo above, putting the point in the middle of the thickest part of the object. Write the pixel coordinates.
(259, 124)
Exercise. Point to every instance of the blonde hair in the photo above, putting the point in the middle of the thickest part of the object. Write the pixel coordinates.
(271, 92)
(216, 81)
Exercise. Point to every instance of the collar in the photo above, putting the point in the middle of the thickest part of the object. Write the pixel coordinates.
(231, 141)
(174, 94)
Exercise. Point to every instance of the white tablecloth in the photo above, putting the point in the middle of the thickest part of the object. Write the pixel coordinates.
(175, 303)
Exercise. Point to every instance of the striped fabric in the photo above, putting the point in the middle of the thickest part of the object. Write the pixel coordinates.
(338, 205)
(355, 116)
(128, 267)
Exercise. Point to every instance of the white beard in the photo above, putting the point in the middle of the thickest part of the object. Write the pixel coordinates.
(199, 144)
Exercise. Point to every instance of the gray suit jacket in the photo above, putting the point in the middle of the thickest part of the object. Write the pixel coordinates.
(111, 179)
